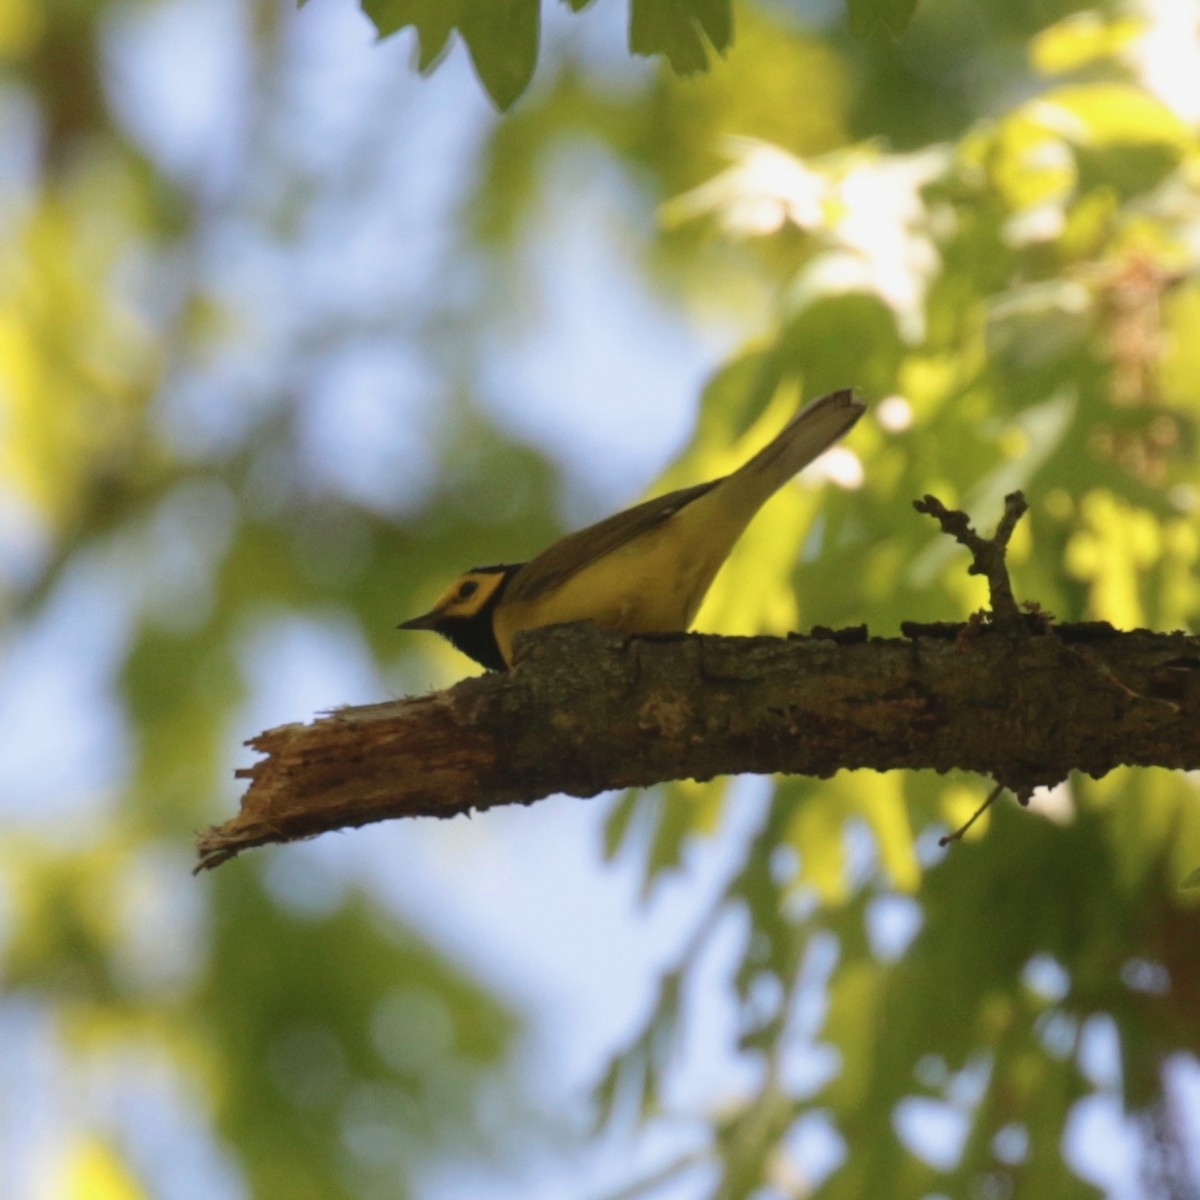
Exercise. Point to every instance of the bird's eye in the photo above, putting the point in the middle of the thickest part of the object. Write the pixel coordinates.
(468, 589)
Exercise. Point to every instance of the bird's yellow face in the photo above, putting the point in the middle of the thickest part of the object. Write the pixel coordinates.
(468, 595)
(463, 614)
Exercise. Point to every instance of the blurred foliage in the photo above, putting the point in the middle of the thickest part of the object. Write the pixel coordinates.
(990, 226)
(502, 35)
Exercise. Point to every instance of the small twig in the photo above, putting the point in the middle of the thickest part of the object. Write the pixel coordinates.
(957, 835)
(988, 553)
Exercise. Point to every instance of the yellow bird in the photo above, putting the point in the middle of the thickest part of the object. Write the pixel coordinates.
(644, 570)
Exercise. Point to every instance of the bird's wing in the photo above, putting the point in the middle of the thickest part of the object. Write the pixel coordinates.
(554, 566)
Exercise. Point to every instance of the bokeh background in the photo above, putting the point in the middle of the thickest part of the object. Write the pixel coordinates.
(289, 335)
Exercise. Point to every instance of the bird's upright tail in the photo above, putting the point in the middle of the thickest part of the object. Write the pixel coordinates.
(808, 435)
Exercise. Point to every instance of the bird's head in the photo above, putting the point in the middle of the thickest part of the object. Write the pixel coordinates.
(463, 613)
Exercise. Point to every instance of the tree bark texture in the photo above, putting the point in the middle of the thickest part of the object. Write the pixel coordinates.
(585, 711)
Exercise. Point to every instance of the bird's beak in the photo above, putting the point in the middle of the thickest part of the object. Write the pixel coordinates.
(427, 620)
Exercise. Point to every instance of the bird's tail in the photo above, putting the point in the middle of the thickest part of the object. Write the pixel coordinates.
(809, 434)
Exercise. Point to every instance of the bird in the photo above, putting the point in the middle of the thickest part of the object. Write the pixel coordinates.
(642, 571)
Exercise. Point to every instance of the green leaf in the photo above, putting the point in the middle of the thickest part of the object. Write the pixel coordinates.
(870, 17)
(1191, 880)
(675, 813)
(619, 822)
(434, 21)
(682, 30)
(502, 36)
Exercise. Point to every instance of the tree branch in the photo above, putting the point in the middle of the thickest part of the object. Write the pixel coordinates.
(584, 710)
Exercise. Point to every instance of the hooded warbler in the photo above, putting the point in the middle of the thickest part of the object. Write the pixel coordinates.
(644, 570)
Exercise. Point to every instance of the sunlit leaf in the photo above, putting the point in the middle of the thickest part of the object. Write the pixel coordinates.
(94, 1171)
(1080, 40)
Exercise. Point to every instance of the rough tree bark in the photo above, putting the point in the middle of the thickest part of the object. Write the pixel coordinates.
(1009, 694)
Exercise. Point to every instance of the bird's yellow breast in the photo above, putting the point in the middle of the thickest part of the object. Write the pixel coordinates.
(653, 584)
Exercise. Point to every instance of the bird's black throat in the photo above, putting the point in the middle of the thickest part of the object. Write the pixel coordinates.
(475, 635)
